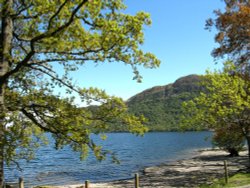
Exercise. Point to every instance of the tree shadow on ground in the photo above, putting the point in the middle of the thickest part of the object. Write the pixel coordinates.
(188, 173)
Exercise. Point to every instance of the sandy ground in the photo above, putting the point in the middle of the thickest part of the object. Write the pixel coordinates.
(203, 168)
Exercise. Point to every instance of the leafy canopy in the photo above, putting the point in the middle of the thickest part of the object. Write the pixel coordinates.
(48, 34)
(225, 102)
(233, 35)
(224, 107)
(229, 138)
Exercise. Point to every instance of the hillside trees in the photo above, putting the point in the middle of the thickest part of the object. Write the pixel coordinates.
(39, 37)
(161, 105)
(224, 104)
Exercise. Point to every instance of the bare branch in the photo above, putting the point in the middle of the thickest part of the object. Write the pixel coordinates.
(57, 79)
(17, 164)
(43, 66)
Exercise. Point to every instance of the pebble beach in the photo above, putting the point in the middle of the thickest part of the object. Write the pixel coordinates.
(202, 168)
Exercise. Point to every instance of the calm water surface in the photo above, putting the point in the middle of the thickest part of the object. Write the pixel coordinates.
(52, 167)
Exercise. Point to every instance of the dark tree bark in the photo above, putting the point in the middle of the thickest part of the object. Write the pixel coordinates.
(248, 147)
(5, 54)
(233, 152)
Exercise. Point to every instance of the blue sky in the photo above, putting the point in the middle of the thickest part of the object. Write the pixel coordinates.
(177, 37)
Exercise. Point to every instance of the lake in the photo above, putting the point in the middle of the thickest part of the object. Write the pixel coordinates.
(57, 167)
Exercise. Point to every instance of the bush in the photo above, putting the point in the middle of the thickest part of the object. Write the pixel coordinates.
(229, 139)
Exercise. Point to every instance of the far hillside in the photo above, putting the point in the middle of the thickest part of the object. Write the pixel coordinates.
(161, 105)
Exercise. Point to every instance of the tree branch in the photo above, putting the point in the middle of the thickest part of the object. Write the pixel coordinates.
(55, 132)
(59, 29)
(57, 79)
(47, 34)
(56, 13)
(71, 53)
(22, 8)
(34, 120)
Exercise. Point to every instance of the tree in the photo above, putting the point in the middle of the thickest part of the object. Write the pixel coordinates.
(225, 103)
(233, 35)
(40, 36)
(229, 138)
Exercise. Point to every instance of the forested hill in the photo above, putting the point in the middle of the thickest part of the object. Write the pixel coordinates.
(161, 105)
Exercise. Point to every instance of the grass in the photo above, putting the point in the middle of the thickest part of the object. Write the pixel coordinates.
(237, 180)
(53, 187)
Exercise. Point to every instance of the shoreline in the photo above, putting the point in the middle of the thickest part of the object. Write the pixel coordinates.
(202, 168)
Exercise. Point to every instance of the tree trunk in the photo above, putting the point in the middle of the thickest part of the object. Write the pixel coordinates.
(2, 140)
(248, 147)
(233, 152)
(5, 55)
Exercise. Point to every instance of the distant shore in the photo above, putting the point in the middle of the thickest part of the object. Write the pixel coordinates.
(204, 167)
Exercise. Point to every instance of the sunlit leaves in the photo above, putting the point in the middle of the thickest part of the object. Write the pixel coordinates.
(52, 39)
(225, 101)
(224, 107)
(39, 112)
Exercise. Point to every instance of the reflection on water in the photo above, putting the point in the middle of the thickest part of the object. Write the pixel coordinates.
(52, 167)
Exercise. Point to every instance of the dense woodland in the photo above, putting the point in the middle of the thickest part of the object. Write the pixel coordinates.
(161, 105)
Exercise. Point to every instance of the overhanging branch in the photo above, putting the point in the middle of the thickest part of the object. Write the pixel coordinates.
(46, 34)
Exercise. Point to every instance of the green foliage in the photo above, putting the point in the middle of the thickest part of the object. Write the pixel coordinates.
(224, 104)
(224, 139)
(48, 35)
(162, 105)
(224, 101)
(237, 180)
